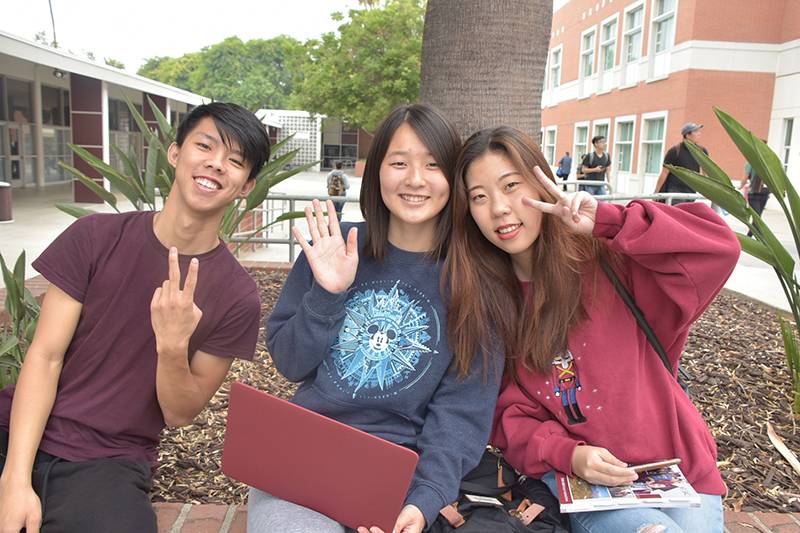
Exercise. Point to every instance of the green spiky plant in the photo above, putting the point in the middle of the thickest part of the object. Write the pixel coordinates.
(23, 310)
(717, 187)
(140, 185)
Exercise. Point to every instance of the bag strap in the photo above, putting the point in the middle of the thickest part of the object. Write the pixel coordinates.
(642, 321)
(637, 313)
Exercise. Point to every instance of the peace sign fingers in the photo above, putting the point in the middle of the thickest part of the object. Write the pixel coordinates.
(544, 207)
(576, 210)
(549, 184)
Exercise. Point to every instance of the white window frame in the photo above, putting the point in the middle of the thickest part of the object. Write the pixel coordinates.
(670, 39)
(786, 148)
(643, 141)
(628, 119)
(593, 51)
(576, 159)
(628, 32)
(601, 122)
(550, 80)
(550, 160)
(601, 64)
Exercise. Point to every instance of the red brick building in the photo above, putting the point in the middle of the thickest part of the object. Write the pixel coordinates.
(637, 70)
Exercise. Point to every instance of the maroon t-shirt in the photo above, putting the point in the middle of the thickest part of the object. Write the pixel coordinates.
(106, 405)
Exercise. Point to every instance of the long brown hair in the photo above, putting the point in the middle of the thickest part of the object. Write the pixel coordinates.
(440, 137)
(487, 310)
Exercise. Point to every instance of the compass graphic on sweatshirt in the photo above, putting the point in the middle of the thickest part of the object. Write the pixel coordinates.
(386, 342)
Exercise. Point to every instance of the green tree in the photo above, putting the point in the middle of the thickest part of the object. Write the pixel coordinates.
(370, 66)
(111, 62)
(178, 71)
(255, 74)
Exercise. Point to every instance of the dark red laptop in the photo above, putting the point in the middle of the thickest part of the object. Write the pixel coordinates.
(301, 456)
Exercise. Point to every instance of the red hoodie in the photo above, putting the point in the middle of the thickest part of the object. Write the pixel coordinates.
(611, 389)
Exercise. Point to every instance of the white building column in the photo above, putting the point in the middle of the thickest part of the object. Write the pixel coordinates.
(38, 137)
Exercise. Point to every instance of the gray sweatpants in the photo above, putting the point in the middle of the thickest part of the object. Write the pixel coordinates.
(268, 514)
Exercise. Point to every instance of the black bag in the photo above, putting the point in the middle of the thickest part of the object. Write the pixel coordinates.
(495, 478)
(589, 160)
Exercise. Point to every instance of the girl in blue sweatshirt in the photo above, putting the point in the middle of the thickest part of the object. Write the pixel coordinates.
(361, 324)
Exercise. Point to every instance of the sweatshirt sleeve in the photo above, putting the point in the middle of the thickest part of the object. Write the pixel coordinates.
(453, 438)
(530, 439)
(304, 323)
(677, 260)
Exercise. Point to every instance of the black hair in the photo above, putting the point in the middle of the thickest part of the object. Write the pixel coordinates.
(597, 138)
(440, 137)
(338, 165)
(235, 124)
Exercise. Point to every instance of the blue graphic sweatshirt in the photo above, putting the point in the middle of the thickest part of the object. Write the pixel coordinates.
(376, 357)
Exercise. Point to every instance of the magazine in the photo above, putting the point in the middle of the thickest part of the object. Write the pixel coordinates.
(663, 487)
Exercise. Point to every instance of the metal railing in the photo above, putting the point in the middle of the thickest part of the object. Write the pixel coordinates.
(573, 184)
(275, 205)
(278, 204)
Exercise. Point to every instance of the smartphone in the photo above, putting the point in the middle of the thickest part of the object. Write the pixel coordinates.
(654, 466)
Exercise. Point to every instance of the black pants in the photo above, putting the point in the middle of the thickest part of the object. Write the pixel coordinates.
(98, 496)
(757, 200)
(339, 205)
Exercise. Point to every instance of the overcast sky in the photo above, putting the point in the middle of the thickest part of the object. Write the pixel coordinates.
(132, 32)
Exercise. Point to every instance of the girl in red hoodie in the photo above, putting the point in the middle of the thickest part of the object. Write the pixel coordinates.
(585, 393)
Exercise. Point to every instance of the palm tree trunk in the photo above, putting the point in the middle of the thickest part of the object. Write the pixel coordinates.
(483, 61)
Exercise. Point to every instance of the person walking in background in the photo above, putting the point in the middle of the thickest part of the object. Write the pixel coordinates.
(338, 184)
(756, 191)
(680, 156)
(594, 166)
(564, 166)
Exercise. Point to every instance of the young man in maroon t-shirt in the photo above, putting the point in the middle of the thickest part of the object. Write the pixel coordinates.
(121, 348)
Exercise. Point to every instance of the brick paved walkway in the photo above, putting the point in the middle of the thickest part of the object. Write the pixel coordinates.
(186, 518)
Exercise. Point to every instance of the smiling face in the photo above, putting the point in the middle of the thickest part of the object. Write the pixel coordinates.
(413, 188)
(495, 190)
(208, 174)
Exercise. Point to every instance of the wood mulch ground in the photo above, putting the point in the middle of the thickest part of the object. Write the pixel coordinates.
(739, 382)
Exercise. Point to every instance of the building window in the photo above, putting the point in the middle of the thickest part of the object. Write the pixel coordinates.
(2, 102)
(663, 24)
(339, 143)
(55, 106)
(581, 147)
(587, 53)
(550, 145)
(56, 150)
(124, 134)
(788, 124)
(555, 68)
(608, 45)
(653, 144)
(19, 98)
(2, 151)
(623, 150)
(601, 130)
(175, 118)
(632, 42)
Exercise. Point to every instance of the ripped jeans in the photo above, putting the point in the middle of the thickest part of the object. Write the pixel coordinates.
(708, 518)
